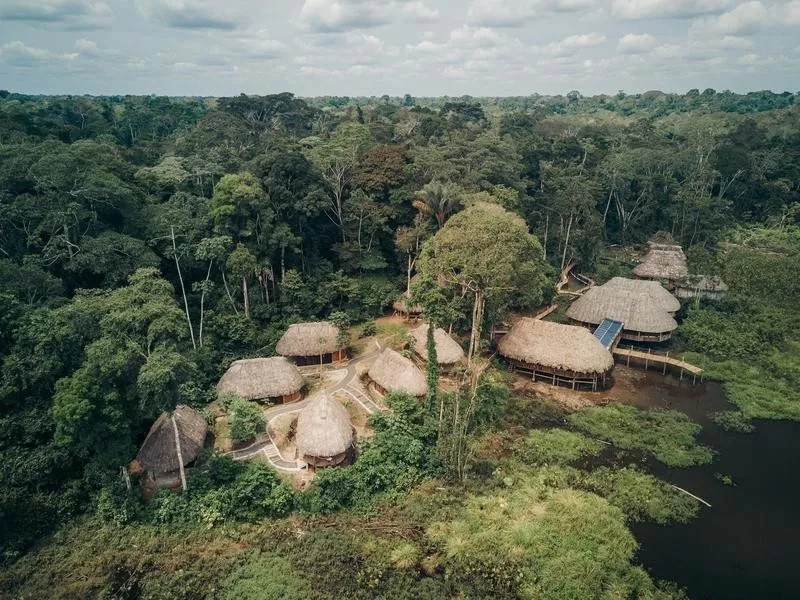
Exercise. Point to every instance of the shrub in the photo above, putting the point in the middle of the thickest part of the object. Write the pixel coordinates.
(245, 420)
(555, 446)
(369, 329)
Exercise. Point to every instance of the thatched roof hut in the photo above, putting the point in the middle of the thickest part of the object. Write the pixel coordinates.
(173, 441)
(663, 261)
(262, 378)
(311, 343)
(660, 296)
(392, 371)
(643, 309)
(324, 432)
(448, 351)
(701, 286)
(403, 305)
(565, 348)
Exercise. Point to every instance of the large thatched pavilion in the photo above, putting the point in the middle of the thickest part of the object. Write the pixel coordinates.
(392, 372)
(312, 343)
(559, 354)
(663, 261)
(324, 432)
(173, 442)
(272, 378)
(644, 308)
(448, 351)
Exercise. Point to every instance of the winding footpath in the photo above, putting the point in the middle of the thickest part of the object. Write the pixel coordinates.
(264, 447)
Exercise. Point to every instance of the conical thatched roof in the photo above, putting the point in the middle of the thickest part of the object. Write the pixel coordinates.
(448, 351)
(260, 378)
(159, 453)
(657, 293)
(309, 339)
(324, 428)
(663, 261)
(639, 308)
(394, 372)
(556, 346)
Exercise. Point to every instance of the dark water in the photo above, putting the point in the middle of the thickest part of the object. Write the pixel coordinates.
(748, 544)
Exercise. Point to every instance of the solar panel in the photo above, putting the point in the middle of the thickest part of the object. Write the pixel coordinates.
(607, 332)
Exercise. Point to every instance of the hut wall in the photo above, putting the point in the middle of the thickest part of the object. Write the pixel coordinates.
(294, 397)
(629, 334)
(324, 461)
(561, 377)
(323, 359)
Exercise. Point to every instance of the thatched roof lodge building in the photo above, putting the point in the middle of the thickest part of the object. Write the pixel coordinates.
(324, 433)
(392, 372)
(173, 442)
(663, 261)
(312, 343)
(645, 308)
(560, 354)
(448, 351)
(272, 378)
(707, 287)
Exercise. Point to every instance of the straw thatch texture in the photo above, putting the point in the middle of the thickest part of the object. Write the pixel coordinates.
(261, 378)
(309, 339)
(663, 261)
(702, 286)
(159, 454)
(657, 293)
(556, 346)
(635, 308)
(324, 428)
(403, 305)
(394, 372)
(448, 351)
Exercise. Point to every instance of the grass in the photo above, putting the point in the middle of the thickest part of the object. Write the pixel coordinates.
(669, 436)
(733, 420)
(641, 496)
(555, 446)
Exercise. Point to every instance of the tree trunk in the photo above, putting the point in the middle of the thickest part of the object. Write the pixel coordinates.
(566, 243)
(477, 316)
(202, 303)
(183, 289)
(246, 299)
(283, 264)
(546, 228)
(228, 291)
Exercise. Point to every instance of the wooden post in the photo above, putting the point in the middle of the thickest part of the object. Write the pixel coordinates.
(629, 360)
(554, 378)
(645, 360)
(665, 365)
(573, 383)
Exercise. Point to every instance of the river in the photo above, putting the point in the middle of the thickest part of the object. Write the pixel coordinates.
(745, 546)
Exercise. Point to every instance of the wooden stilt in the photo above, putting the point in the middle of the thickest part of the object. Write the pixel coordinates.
(665, 365)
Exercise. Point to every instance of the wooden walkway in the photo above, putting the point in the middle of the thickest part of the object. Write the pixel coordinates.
(662, 360)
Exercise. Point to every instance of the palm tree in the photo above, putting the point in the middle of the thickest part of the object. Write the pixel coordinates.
(438, 199)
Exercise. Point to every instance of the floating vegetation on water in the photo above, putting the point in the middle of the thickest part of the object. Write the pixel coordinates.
(667, 435)
(724, 479)
(733, 420)
(641, 496)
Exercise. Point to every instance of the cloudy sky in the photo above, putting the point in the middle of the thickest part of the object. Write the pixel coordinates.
(421, 47)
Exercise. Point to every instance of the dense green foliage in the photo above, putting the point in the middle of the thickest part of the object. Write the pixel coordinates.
(147, 242)
(555, 446)
(667, 435)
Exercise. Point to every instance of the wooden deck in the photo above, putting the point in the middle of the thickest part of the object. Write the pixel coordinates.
(663, 360)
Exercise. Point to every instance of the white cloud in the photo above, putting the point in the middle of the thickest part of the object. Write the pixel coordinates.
(572, 44)
(190, 14)
(420, 12)
(744, 19)
(18, 54)
(516, 13)
(633, 43)
(667, 9)
(71, 14)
